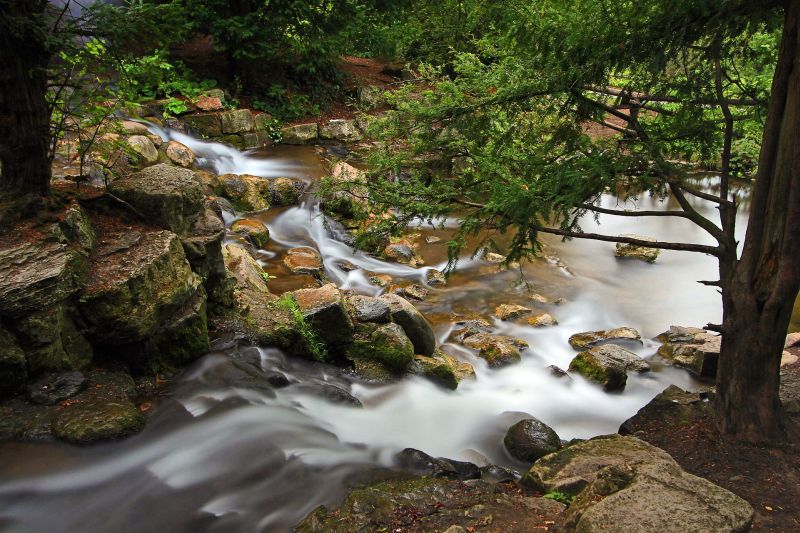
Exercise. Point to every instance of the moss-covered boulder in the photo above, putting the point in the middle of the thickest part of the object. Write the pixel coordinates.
(386, 344)
(236, 121)
(587, 339)
(203, 248)
(497, 350)
(531, 439)
(253, 230)
(133, 290)
(84, 423)
(443, 369)
(246, 192)
(248, 273)
(608, 365)
(144, 149)
(169, 197)
(299, 133)
(340, 130)
(368, 309)
(13, 372)
(285, 191)
(324, 308)
(52, 341)
(511, 311)
(414, 323)
(205, 124)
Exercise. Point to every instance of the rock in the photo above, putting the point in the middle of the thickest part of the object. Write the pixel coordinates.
(558, 372)
(493, 258)
(205, 125)
(400, 252)
(414, 291)
(38, 275)
(370, 96)
(169, 197)
(788, 358)
(264, 122)
(444, 504)
(435, 277)
(285, 191)
(237, 121)
(497, 350)
(792, 340)
(299, 134)
(625, 484)
(531, 439)
(52, 341)
(325, 310)
(672, 407)
(381, 280)
(100, 420)
(443, 369)
(253, 229)
(144, 147)
(641, 253)
(368, 309)
(511, 311)
(608, 365)
(419, 462)
(432, 239)
(132, 291)
(244, 268)
(694, 349)
(134, 128)
(203, 248)
(416, 327)
(209, 103)
(246, 192)
(386, 344)
(13, 372)
(542, 320)
(180, 154)
(538, 298)
(52, 389)
(340, 130)
(587, 339)
(350, 194)
(304, 260)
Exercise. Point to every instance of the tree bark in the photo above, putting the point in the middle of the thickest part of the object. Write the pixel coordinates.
(24, 121)
(760, 288)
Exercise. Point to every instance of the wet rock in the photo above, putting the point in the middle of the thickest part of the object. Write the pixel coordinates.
(381, 280)
(248, 273)
(416, 327)
(350, 194)
(246, 192)
(52, 341)
(180, 154)
(144, 148)
(236, 121)
(386, 344)
(38, 275)
(13, 372)
(304, 260)
(402, 252)
(511, 311)
(340, 130)
(346, 266)
(641, 253)
(84, 423)
(332, 393)
(625, 484)
(608, 365)
(530, 439)
(285, 191)
(673, 406)
(203, 248)
(587, 339)
(169, 197)
(435, 277)
(325, 309)
(414, 291)
(694, 349)
(542, 320)
(497, 350)
(538, 298)
(50, 390)
(558, 372)
(254, 230)
(299, 134)
(493, 258)
(205, 125)
(420, 462)
(368, 309)
(443, 369)
(129, 293)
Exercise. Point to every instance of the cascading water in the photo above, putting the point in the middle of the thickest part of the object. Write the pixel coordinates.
(228, 454)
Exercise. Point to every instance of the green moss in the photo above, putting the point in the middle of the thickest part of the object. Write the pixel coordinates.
(307, 334)
(588, 368)
(386, 344)
(85, 423)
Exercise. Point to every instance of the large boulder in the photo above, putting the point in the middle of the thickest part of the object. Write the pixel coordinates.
(246, 192)
(587, 339)
(236, 121)
(13, 372)
(531, 439)
(416, 326)
(205, 125)
(100, 420)
(608, 364)
(203, 248)
(299, 134)
(52, 341)
(623, 484)
(248, 273)
(285, 191)
(134, 289)
(443, 369)
(340, 130)
(385, 344)
(324, 308)
(369, 309)
(169, 197)
(632, 251)
(694, 349)
(144, 148)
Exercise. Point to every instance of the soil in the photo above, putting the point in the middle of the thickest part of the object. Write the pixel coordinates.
(768, 477)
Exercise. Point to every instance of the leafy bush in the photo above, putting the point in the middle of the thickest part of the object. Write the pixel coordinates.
(309, 337)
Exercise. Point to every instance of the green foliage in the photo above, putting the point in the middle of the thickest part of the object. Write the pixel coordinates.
(279, 102)
(310, 338)
(560, 497)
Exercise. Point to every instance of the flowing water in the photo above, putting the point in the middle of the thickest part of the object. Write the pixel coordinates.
(220, 454)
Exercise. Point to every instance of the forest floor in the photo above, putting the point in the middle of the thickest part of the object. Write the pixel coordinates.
(768, 477)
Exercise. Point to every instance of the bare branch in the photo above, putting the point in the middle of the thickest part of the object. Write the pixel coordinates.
(621, 213)
(683, 247)
(612, 91)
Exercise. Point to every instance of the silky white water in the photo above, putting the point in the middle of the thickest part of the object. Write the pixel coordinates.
(221, 454)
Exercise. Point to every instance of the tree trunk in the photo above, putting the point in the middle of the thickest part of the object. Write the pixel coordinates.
(760, 288)
(24, 120)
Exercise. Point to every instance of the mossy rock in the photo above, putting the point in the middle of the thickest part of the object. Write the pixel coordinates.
(52, 341)
(82, 423)
(386, 344)
(206, 125)
(13, 371)
(254, 230)
(443, 369)
(245, 192)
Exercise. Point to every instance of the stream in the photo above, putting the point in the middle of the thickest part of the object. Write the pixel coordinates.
(215, 456)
